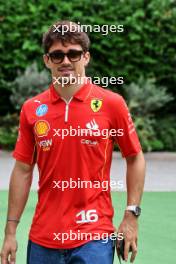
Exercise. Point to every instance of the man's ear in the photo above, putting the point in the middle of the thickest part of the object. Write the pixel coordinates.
(46, 61)
(87, 58)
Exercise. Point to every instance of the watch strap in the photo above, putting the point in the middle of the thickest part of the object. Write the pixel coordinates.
(131, 207)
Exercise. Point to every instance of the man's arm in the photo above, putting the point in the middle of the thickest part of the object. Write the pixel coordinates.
(135, 184)
(20, 182)
(135, 178)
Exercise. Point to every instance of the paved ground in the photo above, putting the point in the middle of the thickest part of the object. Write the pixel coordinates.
(160, 176)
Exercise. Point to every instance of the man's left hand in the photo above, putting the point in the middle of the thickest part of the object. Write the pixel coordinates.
(129, 228)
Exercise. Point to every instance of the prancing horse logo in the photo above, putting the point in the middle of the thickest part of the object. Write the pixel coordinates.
(96, 104)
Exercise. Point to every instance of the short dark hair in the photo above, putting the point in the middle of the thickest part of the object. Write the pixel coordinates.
(74, 37)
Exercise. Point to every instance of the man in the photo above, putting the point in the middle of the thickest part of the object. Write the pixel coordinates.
(69, 223)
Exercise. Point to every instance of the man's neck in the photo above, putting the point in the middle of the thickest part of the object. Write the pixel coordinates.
(67, 91)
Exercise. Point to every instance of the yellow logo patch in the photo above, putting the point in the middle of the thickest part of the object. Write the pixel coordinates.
(96, 104)
(42, 128)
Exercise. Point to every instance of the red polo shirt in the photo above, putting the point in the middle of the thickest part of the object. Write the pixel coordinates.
(81, 158)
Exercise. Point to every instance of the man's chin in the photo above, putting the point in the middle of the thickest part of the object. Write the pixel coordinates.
(66, 80)
(66, 74)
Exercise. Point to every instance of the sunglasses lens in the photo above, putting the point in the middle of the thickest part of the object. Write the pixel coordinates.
(74, 55)
(56, 56)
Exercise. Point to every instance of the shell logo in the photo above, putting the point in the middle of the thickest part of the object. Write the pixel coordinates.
(42, 128)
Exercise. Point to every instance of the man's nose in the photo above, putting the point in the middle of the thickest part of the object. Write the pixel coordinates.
(66, 60)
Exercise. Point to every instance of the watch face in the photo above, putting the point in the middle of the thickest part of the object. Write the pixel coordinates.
(137, 211)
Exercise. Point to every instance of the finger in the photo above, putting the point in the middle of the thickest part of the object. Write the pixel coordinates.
(120, 237)
(134, 252)
(4, 258)
(13, 257)
(126, 250)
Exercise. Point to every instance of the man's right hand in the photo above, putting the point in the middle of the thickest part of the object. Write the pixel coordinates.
(9, 248)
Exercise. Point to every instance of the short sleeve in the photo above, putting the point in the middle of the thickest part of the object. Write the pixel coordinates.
(128, 142)
(25, 145)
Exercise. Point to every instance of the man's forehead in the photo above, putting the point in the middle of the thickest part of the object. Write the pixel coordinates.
(57, 45)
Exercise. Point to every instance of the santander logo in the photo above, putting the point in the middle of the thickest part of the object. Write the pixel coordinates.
(92, 125)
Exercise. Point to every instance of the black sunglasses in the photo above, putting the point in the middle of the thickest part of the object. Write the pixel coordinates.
(58, 56)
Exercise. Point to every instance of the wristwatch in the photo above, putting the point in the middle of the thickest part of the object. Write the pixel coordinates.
(136, 210)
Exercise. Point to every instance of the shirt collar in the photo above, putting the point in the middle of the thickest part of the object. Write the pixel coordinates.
(82, 94)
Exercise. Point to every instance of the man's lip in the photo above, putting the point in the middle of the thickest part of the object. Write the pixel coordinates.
(65, 69)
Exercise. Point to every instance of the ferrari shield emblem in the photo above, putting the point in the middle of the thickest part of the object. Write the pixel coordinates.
(96, 104)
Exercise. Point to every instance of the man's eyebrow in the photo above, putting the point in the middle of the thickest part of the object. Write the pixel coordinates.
(56, 51)
(63, 51)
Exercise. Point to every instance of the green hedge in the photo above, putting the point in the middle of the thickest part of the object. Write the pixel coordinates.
(146, 47)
